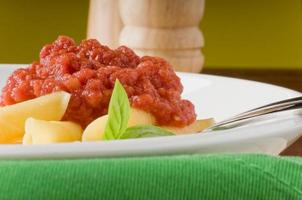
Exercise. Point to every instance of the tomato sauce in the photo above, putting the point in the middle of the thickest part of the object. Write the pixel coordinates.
(88, 71)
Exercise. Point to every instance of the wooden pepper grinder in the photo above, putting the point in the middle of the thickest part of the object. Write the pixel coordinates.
(104, 22)
(165, 28)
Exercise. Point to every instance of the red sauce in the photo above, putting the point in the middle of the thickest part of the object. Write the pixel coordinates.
(88, 71)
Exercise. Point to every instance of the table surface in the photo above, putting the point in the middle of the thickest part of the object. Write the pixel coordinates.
(287, 78)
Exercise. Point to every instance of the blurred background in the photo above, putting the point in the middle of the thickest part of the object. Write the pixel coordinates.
(241, 37)
(238, 34)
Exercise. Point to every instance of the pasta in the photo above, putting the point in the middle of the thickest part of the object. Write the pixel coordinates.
(95, 130)
(12, 118)
(37, 121)
(46, 132)
(100, 80)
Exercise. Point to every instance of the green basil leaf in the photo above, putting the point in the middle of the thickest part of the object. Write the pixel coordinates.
(144, 132)
(118, 113)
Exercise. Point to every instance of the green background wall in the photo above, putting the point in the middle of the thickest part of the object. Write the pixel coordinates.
(253, 33)
(25, 26)
(238, 33)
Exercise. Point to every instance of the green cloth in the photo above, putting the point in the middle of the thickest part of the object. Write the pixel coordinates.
(163, 177)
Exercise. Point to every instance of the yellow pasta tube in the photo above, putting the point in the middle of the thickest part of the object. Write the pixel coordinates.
(195, 127)
(95, 130)
(47, 132)
(12, 118)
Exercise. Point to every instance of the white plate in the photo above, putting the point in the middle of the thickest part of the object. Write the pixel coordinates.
(213, 96)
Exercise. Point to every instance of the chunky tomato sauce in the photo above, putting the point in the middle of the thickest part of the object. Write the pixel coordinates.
(88, 71)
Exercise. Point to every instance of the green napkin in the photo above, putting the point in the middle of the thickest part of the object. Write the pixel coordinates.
(165, 177)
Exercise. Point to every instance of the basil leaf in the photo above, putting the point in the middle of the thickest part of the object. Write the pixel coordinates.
(118, 113)
(144, 132)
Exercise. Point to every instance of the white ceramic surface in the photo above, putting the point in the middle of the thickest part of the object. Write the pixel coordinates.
(213, 96)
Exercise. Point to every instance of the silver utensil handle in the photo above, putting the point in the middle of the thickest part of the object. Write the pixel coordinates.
(280, 106)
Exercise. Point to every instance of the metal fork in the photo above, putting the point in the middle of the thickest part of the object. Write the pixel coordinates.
(244, 118)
